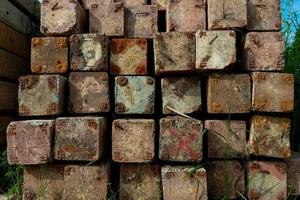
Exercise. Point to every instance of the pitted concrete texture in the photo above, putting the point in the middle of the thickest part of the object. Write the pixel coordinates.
(133, 140)
(62, 18)
(79, 138)
(56, 50)
(89, 52)
(186, 15)
(30, 142)
(183, 182)
(41, 95)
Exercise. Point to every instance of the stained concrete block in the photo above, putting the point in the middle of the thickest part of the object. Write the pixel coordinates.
(180, 139)
(56, 51)
(225, 179)
(29, 142)
(134, 95)
(264, 15)
(89, 92)
(107, 18)
(174, 52)
(63, 17)
(183, 182)
(182, 94)
(79, 138)
(270, 136)
(140, 181)
(141, 21)
(263, 51)
(229, 93)
(186, 15)
(224, 14)
(267, 180)
(215, 50)
(43, 182)
(86, 182)
(267, 98)
(128, 56)
(89, 52)
(226, 139)
(41, 95)
(293, 171)
(133, 140)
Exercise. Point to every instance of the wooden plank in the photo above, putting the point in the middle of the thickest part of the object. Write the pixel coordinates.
(12, 66)
(4, 121)
(16, 19)
(14, 41)
(8, 97)
(31, 6)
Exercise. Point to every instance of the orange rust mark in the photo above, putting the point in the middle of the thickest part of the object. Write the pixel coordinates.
(61, 67)
(35, 68)
(259, 104)
(92, 124)
(37, 42)
(289, 80)
(215, 107)
(141, 68)
(119, 46)
(51, 109)
(280, 167)
(24, 110)
(286, 105)
(61, 42)
(260, 77)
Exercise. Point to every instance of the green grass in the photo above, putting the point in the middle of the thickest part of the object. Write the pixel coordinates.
(11, 177)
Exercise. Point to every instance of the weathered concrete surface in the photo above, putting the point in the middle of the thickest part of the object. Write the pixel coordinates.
(174, 52)
(141, 21)
(140, 181)
(161, 4)
(41, 95)
(224, 14)
(89, 92)
(133, 140)
(180, 139)
(182, 94)
(270, 136)
(215, 50)
(267, 180)
(89, 52)
(132, 2)
(186, 15)
(184, 183)
(29, 142)
(134, 94)
(229, 93)
(264, 15)
(128, 56)
(86, 182)
(43, 182)
(63, 17)
(56, 51)
(293, 171)
(79, 138)
(263, 51)
(270, 97)
(225, 179)
(107, 18)
(226, 139)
